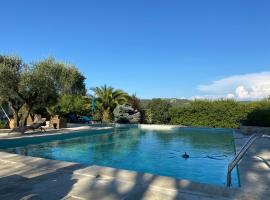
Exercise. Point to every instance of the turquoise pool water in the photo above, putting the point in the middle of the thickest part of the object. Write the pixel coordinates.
(157, 152)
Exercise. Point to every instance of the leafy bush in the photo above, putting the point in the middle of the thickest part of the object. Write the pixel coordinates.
(219, 113)
(146, 116)
(2, 124)
(159, 111)
(208, 113)
(260, 114)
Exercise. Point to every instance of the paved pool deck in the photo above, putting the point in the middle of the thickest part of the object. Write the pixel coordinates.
(254, 168)
(50, 131)
(23, 177)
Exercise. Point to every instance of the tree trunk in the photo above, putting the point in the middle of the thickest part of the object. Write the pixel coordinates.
(16, 116)
(106, 116)
(28, 110)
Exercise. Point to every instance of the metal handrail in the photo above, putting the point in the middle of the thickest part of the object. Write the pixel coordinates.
(238, 157)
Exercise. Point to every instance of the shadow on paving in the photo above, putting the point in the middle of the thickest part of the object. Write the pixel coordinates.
(65, 183)
(53, 185)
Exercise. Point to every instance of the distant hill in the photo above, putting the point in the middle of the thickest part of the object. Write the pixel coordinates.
(176, 102)
(173, 101)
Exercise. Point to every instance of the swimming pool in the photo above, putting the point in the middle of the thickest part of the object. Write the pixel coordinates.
(147, 151)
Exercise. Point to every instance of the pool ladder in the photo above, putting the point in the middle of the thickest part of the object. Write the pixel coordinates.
(238, 157)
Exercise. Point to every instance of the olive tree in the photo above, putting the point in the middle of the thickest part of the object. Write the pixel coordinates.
(75, 104)
(26, 87)
(11, 68)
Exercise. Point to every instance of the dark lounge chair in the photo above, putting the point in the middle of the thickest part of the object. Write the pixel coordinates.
(38, 125)
(35, 125)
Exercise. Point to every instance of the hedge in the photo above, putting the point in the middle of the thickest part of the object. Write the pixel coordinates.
(210, 113)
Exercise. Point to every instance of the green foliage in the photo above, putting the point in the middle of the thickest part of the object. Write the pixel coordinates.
(12, 71)
(3, 124)
(174, 102)
(134, 102)
(206, 113)
(75, 104)
(159, 111)
(96, 116)
(107, 98)
(146, 116)
(260, 114)
(35, 86)
(66, 77)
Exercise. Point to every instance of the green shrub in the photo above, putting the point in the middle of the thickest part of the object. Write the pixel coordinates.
(159, 111)
(259, 115)
(146, 116)
(206, 113)
(3, 124)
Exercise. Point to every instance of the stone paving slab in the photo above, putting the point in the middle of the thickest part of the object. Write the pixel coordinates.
(14, 135)
(157, 181)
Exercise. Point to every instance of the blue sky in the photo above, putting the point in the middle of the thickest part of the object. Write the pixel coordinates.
(152, 48)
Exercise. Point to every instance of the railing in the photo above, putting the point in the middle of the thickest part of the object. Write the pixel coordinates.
(238, 157)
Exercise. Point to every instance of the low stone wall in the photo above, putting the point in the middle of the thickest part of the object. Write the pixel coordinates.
(126, 125)
(158, 127)
(101, 125)
(149, 126)
(75, 125)
(248, 130)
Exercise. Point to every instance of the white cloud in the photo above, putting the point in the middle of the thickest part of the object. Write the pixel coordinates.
(230, 96)
(241, 92)
(243, 87)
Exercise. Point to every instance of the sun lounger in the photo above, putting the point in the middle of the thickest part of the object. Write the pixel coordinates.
(35, 125)
(38, 125)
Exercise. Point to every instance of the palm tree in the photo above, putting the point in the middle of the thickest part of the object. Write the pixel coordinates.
(107, 98)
